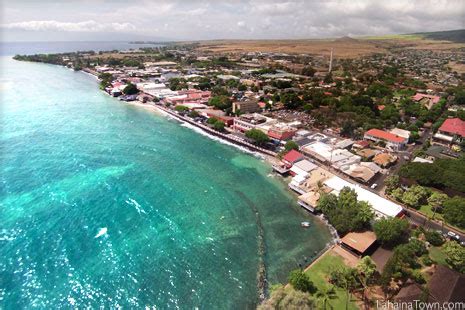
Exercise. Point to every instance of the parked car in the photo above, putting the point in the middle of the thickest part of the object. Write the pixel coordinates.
(375, 185)
(453, 235)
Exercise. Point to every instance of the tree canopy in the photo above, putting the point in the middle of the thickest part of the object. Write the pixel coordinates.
(442, 173)
(130, 89)
(301, 281)
(258, 136)
(391, 231)
(454, 211)
(345, 212)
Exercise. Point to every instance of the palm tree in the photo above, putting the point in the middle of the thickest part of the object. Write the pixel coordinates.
(325, 295)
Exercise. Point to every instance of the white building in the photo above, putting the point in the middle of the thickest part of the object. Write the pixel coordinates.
(381, 206)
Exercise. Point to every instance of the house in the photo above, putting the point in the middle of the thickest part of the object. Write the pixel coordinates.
(358, 243)
(360, 144)
(401, 133)
(452, 131)
(446, 285)
(410, 293)
(392, 141)
(292, 157)
(384, 159)
(427, 100)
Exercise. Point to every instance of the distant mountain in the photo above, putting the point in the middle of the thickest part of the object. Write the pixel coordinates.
(449, 35)
(346, 39)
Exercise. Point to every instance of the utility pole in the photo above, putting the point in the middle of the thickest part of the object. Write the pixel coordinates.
(330, 61)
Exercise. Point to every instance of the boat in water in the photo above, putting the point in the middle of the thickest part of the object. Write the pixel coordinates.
(305, 224)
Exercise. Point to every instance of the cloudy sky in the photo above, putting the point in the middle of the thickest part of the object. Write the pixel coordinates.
(42, 20)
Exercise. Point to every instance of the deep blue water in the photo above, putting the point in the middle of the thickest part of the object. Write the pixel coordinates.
(26, 48)
(106, 204)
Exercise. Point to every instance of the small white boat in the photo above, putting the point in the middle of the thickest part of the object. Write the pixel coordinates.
(305, 224)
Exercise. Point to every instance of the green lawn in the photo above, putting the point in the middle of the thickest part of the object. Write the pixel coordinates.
(426, 210)
(319, 272)
(437, 255)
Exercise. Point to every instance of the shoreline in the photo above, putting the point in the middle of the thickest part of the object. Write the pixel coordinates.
(250, 149)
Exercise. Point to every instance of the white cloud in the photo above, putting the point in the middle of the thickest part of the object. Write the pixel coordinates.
(85, 26)
(236, 19)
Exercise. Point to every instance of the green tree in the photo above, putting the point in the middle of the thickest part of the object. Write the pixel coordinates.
(345, 212)
(287, 298)
(366, 269)
(181, 108)
(212, 120)
(454, 211)
(291, 100)
(434, 238)
(391, 231)
(291, 145)
(308, 71)
(397, 194)
(130, 89)
(258, 136)
(345, 278)
(392, 182)
(436, 201)
(325, 295)
(455, 255)
(219, 125)
(301, 281)
(220, 102)
(415, 196)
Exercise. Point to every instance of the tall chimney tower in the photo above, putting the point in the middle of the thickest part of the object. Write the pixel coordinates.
(331, 61)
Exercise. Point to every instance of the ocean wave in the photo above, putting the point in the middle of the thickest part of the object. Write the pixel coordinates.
(136, 205)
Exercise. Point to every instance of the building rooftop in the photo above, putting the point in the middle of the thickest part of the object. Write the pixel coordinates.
(292, 156)
(378, 203)
(359, 241)
(453, 126)
(381, 134)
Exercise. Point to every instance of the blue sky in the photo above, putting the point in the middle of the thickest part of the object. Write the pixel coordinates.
(26, 20)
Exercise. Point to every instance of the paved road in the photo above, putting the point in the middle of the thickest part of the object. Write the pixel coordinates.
(420, 220)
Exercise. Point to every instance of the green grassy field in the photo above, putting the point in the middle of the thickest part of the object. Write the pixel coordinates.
(319, 274)
(437, 255)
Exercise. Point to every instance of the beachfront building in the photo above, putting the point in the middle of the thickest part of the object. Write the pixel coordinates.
(158, 90)
(393, 141)
(359, 243)
(247, 122)
(189, 96)
(452, 131)
(309, 200)
(302, 167)
(281, 132)
(292, 157)
(380, 206)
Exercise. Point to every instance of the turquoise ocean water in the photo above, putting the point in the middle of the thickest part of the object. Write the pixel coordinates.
(106, 204)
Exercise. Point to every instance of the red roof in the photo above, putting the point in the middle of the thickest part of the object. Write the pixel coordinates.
(292, 156)
(381, 107)
(418, 97)
(453, 126)
(384, 135)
